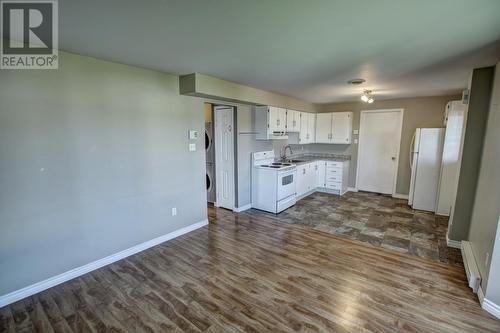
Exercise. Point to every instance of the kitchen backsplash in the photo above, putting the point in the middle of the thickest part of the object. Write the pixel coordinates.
(315, 149)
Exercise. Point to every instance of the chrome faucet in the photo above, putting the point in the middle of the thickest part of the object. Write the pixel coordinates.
(283, 151)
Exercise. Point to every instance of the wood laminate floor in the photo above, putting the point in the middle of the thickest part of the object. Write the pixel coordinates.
(245, 273)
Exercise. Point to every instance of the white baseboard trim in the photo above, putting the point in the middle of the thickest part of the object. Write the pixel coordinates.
(491, 307)
(308, 193)
(242, 208)
(453, 243)
(488, 305)
(352, 189)
(76, 272)
(400, 196)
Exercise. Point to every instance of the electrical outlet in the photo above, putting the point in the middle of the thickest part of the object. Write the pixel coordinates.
(192, 147)
(174, 211)
(487, 259)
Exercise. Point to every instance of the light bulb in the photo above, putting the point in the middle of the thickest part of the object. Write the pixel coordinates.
(364, 98)
(370, 100)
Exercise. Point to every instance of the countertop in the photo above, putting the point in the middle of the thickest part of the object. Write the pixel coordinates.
(303, 159)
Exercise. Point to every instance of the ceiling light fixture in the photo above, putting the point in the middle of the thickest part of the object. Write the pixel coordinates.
(366, 97)
(356, 81)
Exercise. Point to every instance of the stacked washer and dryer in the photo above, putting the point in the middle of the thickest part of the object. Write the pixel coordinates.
(210, 160)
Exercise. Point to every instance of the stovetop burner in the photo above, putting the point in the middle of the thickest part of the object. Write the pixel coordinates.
(276, 165)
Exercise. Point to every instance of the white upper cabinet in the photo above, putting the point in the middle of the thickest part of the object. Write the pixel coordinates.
(307, 127)
(341, 127)
(269, 123)
(277, 119)
(323, 127)
(311, 125)
(292, 121)
(334, 127)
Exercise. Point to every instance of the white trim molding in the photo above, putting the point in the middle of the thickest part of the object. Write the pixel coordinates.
(491, 307)
(400, 196)
(453, 243)
(352, 189)
(76, 272)
(480, 295)
(488, 305)
(242, 208)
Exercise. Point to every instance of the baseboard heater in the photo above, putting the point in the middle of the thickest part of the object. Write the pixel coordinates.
(470, 265)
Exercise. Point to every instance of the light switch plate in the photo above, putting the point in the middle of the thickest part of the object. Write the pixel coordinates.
(192, 147)
(193, 134)
(355, 141)
(355, 131)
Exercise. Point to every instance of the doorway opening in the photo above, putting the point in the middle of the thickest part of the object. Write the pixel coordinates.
(220, 155)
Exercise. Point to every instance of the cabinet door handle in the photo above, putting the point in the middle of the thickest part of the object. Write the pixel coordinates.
(303, 171)
(277, 122)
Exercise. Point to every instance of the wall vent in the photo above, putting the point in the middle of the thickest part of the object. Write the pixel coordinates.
(471, 268)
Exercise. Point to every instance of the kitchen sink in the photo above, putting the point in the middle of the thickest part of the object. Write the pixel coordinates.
(295, 161)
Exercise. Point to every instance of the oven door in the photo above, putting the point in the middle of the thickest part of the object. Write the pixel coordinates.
(286, 184)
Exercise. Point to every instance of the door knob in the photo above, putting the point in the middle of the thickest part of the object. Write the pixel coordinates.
(393, 158)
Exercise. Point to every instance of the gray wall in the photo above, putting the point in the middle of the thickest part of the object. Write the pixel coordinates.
(246, 145)
(418, 112)
(493, 289)
(484, 221)
(93, 156)
(479, 104)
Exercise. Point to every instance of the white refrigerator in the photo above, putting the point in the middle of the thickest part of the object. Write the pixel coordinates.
(426, 151)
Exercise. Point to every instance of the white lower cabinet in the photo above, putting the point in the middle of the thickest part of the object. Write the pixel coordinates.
(302, 175)
(320, 167)
(306, 178)
(337, 176)
(325, 176)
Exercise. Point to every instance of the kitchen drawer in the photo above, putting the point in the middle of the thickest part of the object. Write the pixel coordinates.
(334, 172)
(333, 178)
(334, 185)
(332, 164)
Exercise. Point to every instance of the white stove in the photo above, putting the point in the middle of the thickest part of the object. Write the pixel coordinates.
(273, 183)
(277, 165)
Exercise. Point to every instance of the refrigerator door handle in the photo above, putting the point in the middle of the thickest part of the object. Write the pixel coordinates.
(411, 149)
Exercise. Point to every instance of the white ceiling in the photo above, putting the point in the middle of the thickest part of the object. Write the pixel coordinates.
(305, 49)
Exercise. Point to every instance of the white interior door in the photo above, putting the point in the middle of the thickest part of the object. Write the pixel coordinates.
(224, 156)
(379, 141)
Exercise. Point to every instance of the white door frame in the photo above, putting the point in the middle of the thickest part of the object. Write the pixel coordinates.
(360, 143)
(218, 157)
